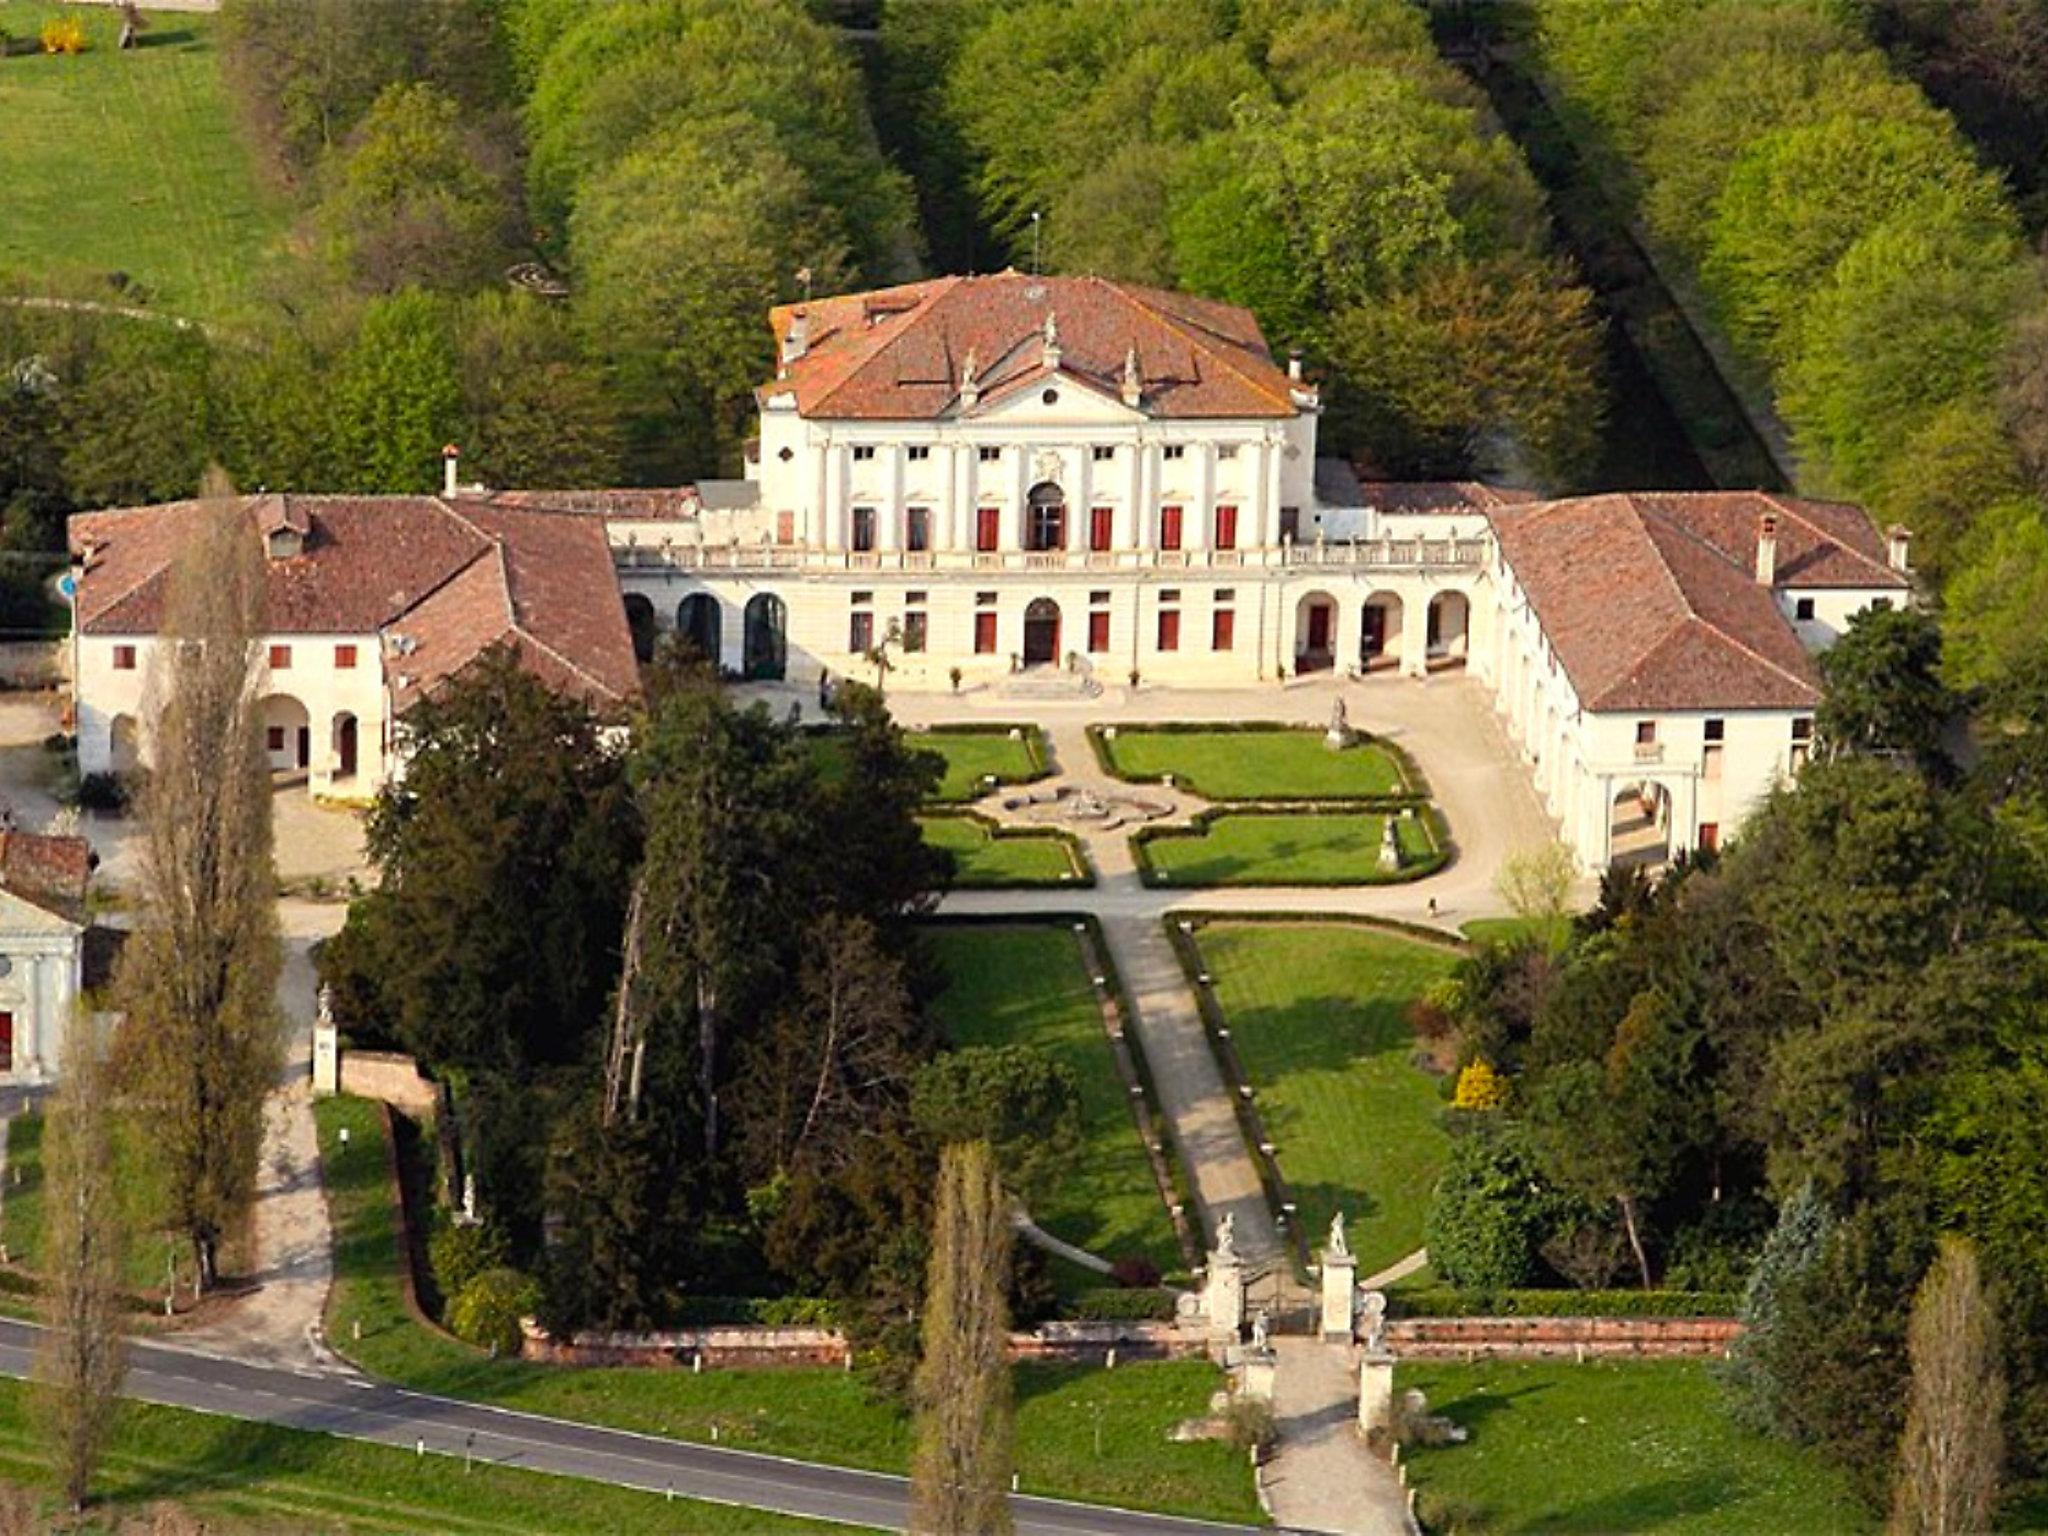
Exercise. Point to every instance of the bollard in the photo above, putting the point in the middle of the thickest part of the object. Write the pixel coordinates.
(1109, 1360)
(420, 1447)
(355, 1329)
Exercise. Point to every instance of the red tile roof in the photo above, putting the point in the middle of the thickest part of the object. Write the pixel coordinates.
(897, 354)
(469, 573)
(1437, 495)
(51, 872)
(1652, 602)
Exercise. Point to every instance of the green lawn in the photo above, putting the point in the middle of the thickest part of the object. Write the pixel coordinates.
(1277, 764)
(820, 1415)
(1316, 1012)
(980, 858)
(1504, 930)
(1637, 1446)
(21, 1202)
(276, 1479)
(971, 756)
(1284, 848)
(113, 162)
(1026, 984)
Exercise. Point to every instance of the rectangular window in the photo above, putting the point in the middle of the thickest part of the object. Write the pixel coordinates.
(1222, 629)
(1802, 728)
(344, 658)
(1227, 451)
(1101, 453)
(785, 527)
(918, 454)
(863, 528)
(1169, 629)
(1226, 527)
(987, 524)
(862, 454)
(1098, 598)
(984, 634)
(1098, 632)
(1290, 525)
(1169, 527)
(988, 455)
(1710, 761)
(1174, 451)
(1716, 730)
(280, 658)
(1646, 733)
(1100, 523)
(984, 599)
(124, 658)
(913, 599)
(860, 635)
(1802, 610)
(1710, 837)
(1046, 526)
(914, 629)
(917, 529)
(273, 738)
(862, 599)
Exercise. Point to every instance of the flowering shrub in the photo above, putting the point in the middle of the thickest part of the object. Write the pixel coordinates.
(64, 34)
(1480, 1087)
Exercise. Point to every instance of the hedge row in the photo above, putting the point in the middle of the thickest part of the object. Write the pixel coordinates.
(1141, 1304)
(1448, 1303)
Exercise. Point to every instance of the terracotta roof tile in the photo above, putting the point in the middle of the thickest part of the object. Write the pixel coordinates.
(899, 353)
(51, 872)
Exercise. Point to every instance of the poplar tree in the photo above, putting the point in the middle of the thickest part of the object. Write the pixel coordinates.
(82, 1359)
(1954, 1445)
(201, 1040)
(960, 1480)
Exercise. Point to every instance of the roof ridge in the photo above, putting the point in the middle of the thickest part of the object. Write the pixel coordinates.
(934, 289)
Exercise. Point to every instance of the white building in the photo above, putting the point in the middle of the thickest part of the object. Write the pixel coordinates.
(43, 941)
(372, 601)
(1042, 482)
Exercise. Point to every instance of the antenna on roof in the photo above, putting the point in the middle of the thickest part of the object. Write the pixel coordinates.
(1036, 220)
(803, 275)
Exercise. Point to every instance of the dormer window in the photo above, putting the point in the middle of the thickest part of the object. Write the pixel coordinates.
(284, 543)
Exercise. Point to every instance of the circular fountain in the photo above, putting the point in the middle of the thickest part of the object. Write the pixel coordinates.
(1067, 805)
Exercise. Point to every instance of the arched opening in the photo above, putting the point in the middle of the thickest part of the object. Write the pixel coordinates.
(1380, 642)
(1450, 617)
(287, 734)
(767, 638)
(124, 745)
(1315, 633)
(345, 745)
(1041, 633)
(700, 625)
(1045, 517)
(640, 620)
(1639, 827)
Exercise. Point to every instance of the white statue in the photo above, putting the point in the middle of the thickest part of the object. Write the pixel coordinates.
(325, 1020)
(1338, 736)
(1373, 1308)
(1340, 1246)
(469, 1216)
(1226, 1239)
(1260, 1327)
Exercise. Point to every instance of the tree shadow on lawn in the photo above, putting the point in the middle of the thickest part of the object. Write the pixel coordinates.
(1646, 1506)
(1317, 1034)
(1474, 1408)
(225, 1457)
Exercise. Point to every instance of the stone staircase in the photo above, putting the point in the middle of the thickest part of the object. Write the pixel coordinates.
(1048, 683)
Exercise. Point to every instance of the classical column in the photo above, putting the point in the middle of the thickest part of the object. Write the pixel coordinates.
(835, 500)
(1012, 534)
(1144, 496)
(817, 520)
(1194, 518)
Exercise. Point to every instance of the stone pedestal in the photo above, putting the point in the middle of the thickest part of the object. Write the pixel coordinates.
(1376, 1392)
(1340, 1270)
(326, 1060)
(1223, 1296)
(1256, 1382)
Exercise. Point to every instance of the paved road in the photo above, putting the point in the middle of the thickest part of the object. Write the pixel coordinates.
(359, 1409)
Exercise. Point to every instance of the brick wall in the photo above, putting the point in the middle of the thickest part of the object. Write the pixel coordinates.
(1458, 1338)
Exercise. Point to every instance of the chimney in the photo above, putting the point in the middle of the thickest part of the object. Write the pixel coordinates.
(451, 465)
(1294, 365)
(796, 341)
(1899, 548)
(1767, 549)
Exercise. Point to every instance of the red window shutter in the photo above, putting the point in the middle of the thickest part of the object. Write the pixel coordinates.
(984, 634)
(1169, 629)
(1224, 629)
(1098, 633)
(1226, 527)
(1169, 527)
(1100, 522)
(986, 524)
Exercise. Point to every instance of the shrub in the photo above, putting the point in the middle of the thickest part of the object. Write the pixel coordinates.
(57, 743)
(1152, 1305)
(1545, 1303)
(1134, 1272)
(488, 1310)
(760, 1311)
(1488, 1211)
(1480, 1088)
(1249, 1421)
(65, 34)
(103, 792)
(460, 1251)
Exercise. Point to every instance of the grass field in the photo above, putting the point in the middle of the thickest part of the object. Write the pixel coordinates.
(1042, 858)
(1283, 848)
(21, 1203)
(1026, 984)
(1316, 1013)
(1279, 764)
(971, 756)
(250, 1477)
(1506, 930)
(130, 162)
(1641, 1447)
(820, 1415)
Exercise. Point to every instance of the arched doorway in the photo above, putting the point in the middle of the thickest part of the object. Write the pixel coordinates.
(1380, 642)
(640, 620)
(345, 745)
(766, 646)
(1450, 618)
(1045, 517)
(287, 734)
(701, 625)
(1042, 633)
(1315, 633)
(1639, 827)
(124, 748)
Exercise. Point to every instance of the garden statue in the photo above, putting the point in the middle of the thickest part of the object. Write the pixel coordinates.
(1260, 1329)
(1340, 1246)
(1226, 1239)
(1339, 734)
(1373, 1308)
(1390, 848)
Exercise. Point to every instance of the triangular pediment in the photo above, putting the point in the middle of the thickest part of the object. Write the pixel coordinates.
(1077, 399)
(20, 915)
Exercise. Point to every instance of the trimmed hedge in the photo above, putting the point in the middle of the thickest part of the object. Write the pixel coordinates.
(758, 1311)
(1198, 824)
(1416, 788)
(1448, 1303)
(1077, 854)
(1110, 1304)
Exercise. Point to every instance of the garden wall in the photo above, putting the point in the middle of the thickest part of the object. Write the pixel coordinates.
(390, 1079)
(742, 1347)
(1603, 1338)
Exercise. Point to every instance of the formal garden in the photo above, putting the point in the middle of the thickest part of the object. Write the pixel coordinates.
(991, 857)
(980, 758)
(818, 1414)
(1314, 1017)
(1317, 846)
(1255, 762)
